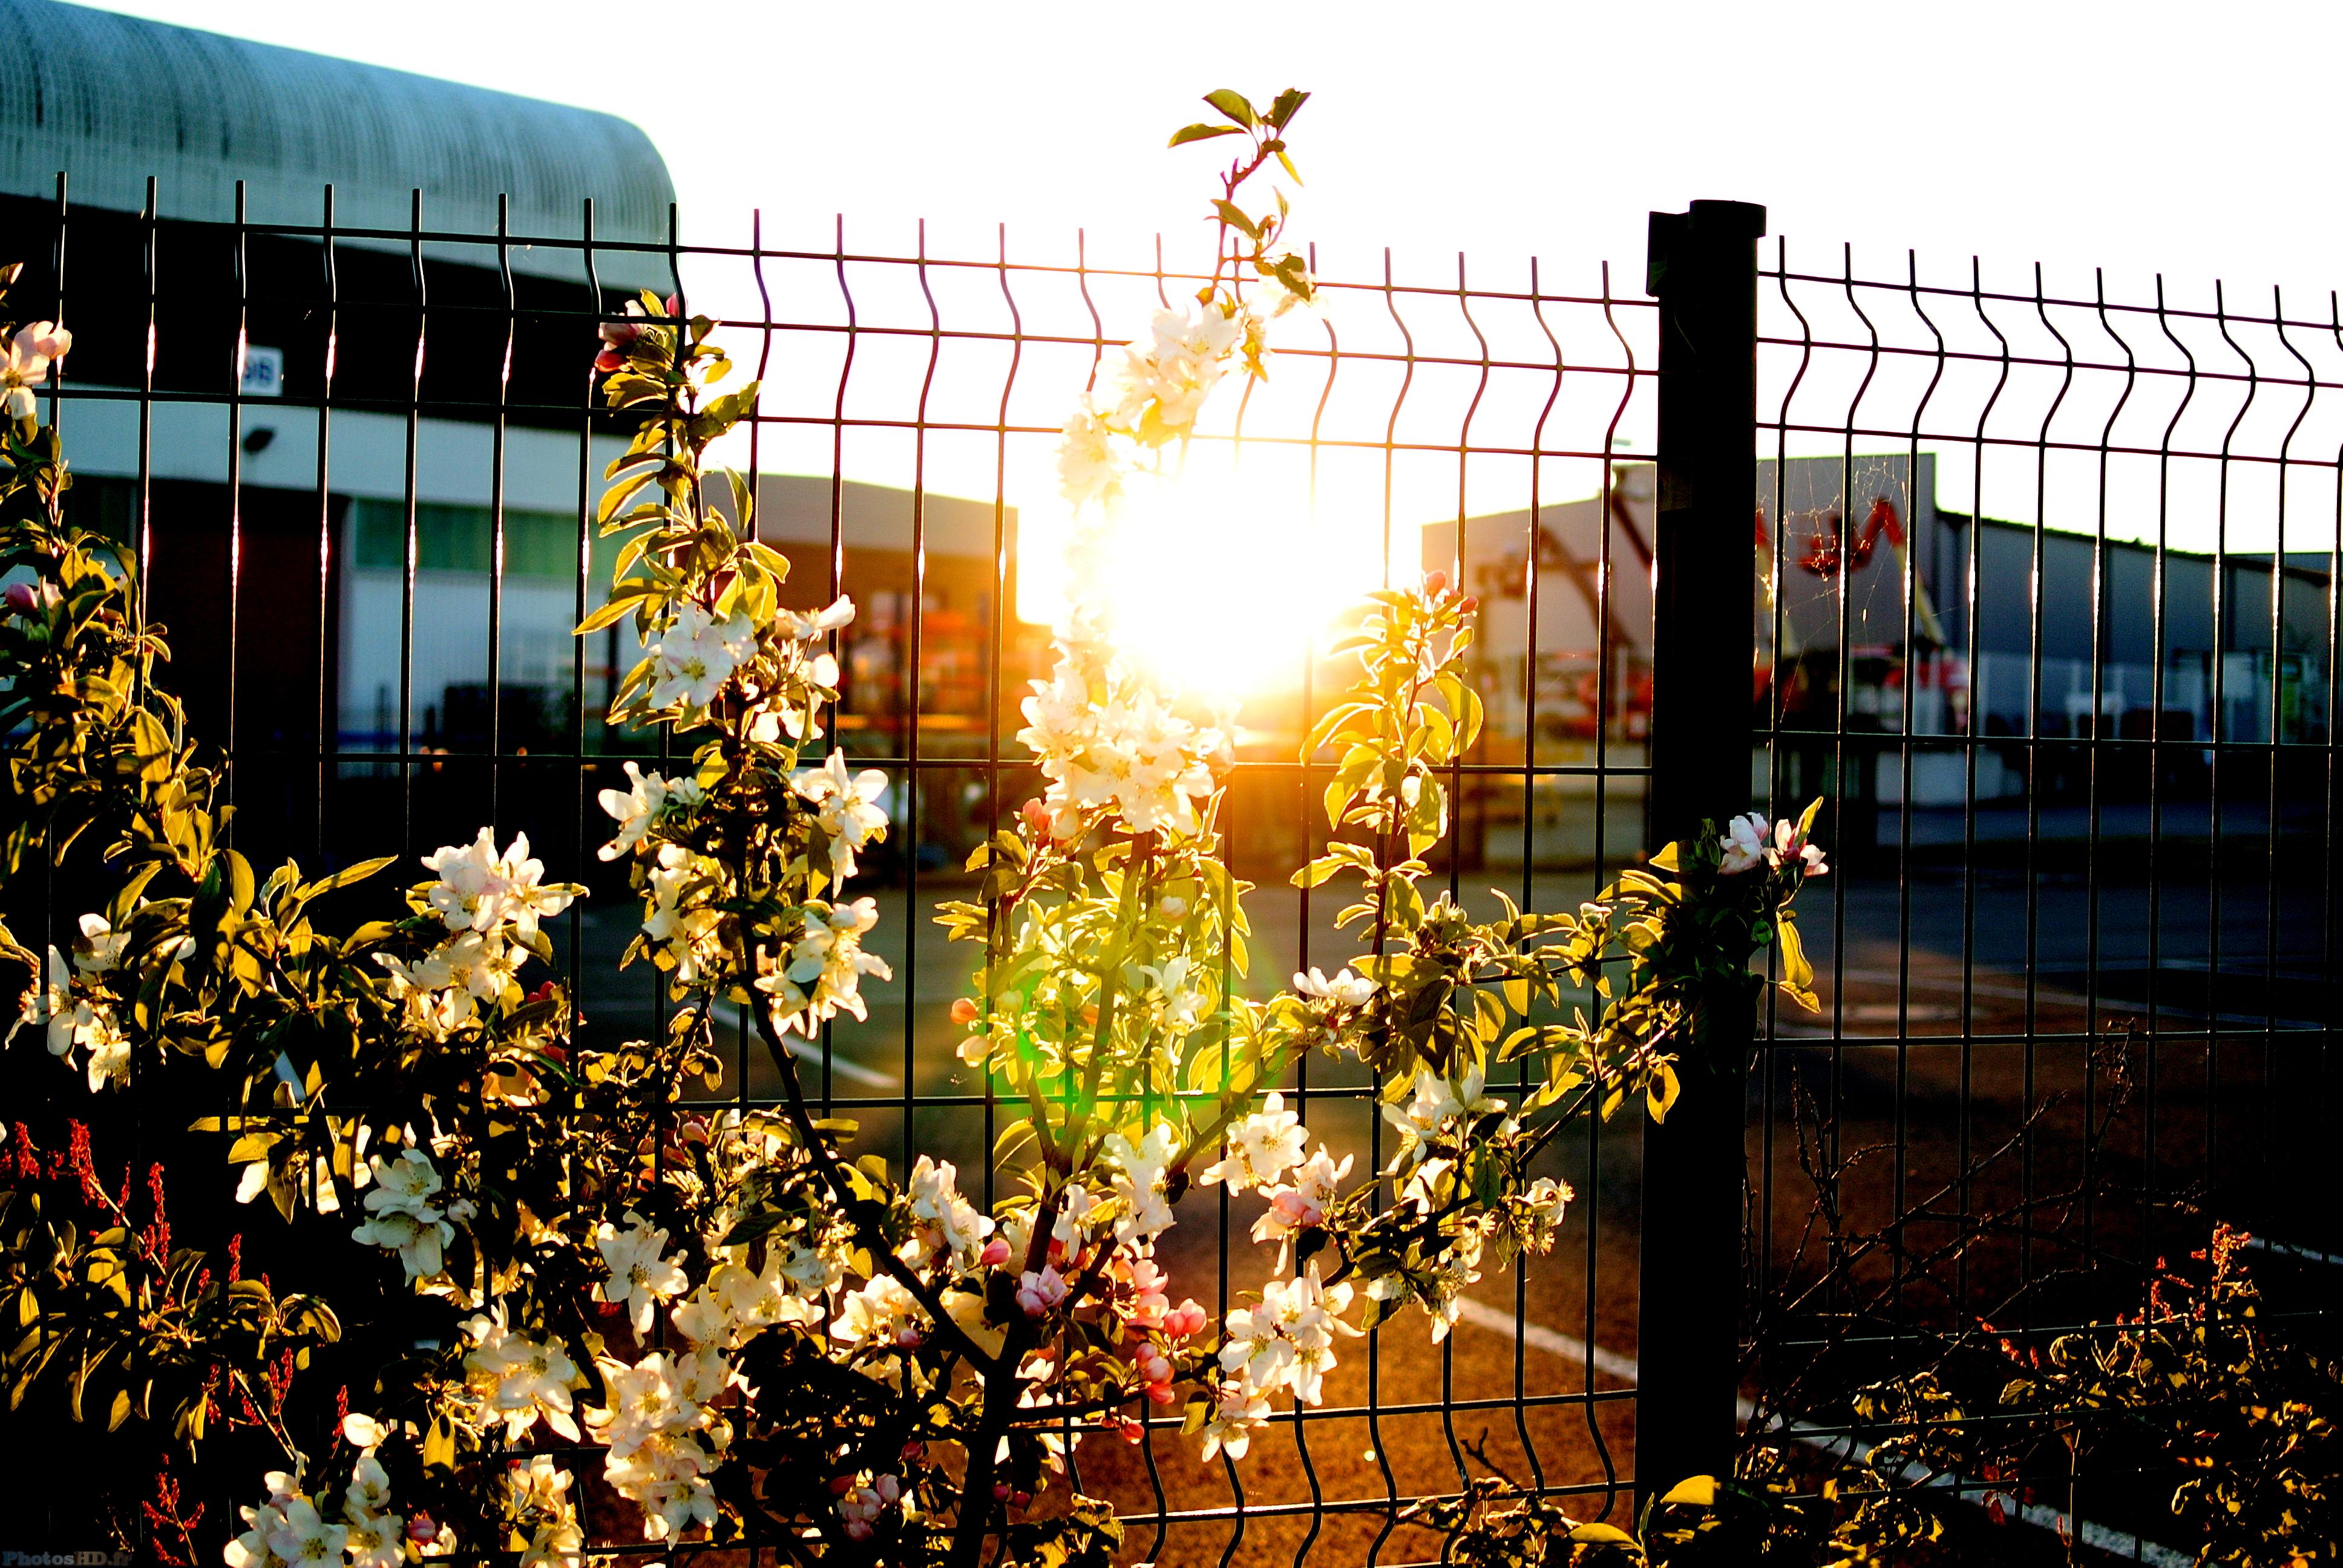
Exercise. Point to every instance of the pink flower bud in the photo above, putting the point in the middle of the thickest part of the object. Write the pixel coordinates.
(1135, 1432)
(1036, 814)
(1435, 582)
(1162, 1393)
(1000, 1492)
(996, 1252)
(45, 339)
(24, 598)
(1468, 604)
(839, 1485)
(963, 1010)
(1040, 1293)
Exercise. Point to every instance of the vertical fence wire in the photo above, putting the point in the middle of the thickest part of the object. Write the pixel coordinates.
(2067, 745)
(449, 498)
(2042, 901)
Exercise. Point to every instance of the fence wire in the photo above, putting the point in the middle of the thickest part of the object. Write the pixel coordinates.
(361, 467)
(2050, 615)
(2045, 607)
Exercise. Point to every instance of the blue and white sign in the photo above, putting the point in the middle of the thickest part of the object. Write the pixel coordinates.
(264, 371)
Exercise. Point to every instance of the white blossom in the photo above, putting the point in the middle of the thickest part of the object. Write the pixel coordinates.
(1261, 1147)
(1301, 1205)
(304, 1538)
(824, 974)
(103, 946)
(1742, 844)
(376, 1537)
(1545, 1202)
(518, 1379)
(1791, 845)
(846, 806)
(1288, 1340)
(109, 1049)
(807, 627)
(734, 1304)
(252, 1549)
(878, 1313)
(481, 891)
(640, 1277)
(1435, 1103)
(537, 1505)
(666, 1478)
(1166, 378)
(404, 1214)
(639, 806)
(1345, 990)
(948, 1222)
(687, 931)
(1139, 1180)
(443, 990)
(1237, 1412)
(663, 1437)
(25, 364)
(71, 1022)
(696, 656)
(1091, 461)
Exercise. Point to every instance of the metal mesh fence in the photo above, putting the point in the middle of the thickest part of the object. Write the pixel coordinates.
(361, 467)
(2050, 615)
(2045, 608)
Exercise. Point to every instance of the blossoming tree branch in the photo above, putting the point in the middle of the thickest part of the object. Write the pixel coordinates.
(750, 1329)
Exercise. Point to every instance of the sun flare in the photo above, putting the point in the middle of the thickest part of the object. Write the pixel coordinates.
(1220, 580)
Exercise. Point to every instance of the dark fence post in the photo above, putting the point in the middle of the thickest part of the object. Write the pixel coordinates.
(1702, 269)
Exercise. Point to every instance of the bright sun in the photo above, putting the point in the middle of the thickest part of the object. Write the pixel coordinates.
(1221, 579)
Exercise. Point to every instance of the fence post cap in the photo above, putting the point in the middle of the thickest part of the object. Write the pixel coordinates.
(1708, 222)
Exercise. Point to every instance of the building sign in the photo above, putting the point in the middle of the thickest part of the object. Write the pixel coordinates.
(264, 371)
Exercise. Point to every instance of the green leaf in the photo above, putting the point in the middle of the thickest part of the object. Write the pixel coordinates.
(1330, 722)
(618, 495)
(1660, 1096)
(1013, 1137)
(341, 878)
(1235, 106)
(1233, 215)
(624, 599)
(1287, 105)
(1187, 133)
(1338, 795)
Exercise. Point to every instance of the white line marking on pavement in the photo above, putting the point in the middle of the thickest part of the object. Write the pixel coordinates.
(2293, 1250)
(852, 1072)
(1570, 1347)
(1612, 1364)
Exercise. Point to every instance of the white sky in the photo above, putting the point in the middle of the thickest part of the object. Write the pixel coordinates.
(2069, 133)
(2198, 140)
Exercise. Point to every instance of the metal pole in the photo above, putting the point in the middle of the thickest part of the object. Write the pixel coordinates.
(1702, 269)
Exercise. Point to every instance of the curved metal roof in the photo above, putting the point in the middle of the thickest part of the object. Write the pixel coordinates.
(111, 99)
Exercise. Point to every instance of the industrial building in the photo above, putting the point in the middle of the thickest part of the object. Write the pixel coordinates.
(1835, 540)
(314, 443)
